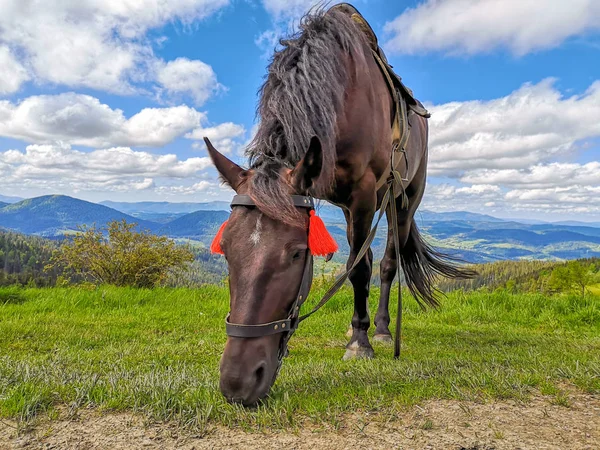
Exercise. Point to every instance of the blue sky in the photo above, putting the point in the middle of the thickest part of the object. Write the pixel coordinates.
(109, 103)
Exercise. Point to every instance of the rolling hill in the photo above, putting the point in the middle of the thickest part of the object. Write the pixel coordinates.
(53, 215)
(469, 236)
(199, 225)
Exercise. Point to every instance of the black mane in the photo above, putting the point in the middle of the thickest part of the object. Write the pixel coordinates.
(300, 98)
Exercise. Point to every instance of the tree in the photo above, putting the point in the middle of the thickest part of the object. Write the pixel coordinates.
(120, 255)
(575, 275)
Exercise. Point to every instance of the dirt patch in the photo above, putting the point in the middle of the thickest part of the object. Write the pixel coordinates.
(537, 424)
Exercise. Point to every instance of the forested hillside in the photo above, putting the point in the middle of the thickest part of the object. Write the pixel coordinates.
(22, 260)
(530, 276)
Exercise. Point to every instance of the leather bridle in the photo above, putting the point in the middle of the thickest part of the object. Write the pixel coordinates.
(286, 326)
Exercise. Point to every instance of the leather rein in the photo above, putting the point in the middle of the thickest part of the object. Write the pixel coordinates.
(289, 325)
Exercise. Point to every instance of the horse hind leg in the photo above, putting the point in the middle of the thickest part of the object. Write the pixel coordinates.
(388, 270)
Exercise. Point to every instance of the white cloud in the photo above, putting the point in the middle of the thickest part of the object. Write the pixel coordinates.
(183, 76)
(541, 176)
(474, 26)
(532, 125)
(82, 120)
(548, 202)
(52, 167)
(201, 186)
(506, 153)
(92, 43)
(445, 197)
(572, 198)
(12, 73)
(223, 136)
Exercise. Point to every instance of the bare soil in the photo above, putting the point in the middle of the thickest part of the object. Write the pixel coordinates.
(537, 424)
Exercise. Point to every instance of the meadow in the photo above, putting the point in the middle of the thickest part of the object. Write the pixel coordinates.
(155, 352)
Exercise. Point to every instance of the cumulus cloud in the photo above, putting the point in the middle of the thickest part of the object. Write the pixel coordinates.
(540, 176)
(225, 137)
(502, 153)
(201, 186)
(119, 168)
(184, 76)
(12, 73)
(83, 120)
(529, 126)
(96, 44)
(475, 26)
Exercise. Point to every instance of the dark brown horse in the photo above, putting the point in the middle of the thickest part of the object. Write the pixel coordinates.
(325, 113)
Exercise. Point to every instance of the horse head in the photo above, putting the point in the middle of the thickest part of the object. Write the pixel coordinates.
(268, 261)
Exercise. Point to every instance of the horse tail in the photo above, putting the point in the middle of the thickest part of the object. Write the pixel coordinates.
(422, 264)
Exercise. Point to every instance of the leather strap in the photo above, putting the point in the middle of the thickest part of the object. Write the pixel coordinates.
(253, 331)
(288, 325)
(339, 282)
(299, 201)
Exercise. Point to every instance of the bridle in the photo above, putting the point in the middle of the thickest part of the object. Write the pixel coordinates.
(286, 326)
(289, 325)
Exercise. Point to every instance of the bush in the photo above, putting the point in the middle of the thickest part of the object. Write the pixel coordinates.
(120, 256)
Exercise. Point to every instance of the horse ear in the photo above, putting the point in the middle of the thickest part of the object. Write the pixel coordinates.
(230, 172)
(309, 167)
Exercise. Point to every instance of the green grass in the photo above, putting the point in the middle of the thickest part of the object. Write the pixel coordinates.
(156, 352)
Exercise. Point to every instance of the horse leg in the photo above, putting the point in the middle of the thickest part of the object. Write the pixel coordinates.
(361, 215)
(388, 270)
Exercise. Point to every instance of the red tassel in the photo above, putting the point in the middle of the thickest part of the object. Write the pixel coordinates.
(215, 247)
(320, 242)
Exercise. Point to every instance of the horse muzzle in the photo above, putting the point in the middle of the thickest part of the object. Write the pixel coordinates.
(248, 368)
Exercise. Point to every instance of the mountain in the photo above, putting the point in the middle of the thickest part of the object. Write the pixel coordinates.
(464, 216)
(576, 223)
(469, 236)
(163, 212)
(8, 199)
(3, 204)
(199, 225)
(52, 215)
(165, 207)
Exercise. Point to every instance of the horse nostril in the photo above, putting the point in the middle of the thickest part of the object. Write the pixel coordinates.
(259, 374)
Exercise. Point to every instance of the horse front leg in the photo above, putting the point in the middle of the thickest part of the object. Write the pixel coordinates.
(359, 219)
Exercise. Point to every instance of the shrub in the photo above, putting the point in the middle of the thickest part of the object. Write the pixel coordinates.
(119, 255)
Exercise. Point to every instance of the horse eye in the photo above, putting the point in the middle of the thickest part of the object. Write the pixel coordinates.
(296, 255)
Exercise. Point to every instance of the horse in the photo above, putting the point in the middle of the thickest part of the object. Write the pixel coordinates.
(325, 131)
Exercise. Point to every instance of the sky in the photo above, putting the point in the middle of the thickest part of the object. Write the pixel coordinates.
(110, 99)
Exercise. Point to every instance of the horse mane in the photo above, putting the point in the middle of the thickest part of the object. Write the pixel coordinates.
(300, 98)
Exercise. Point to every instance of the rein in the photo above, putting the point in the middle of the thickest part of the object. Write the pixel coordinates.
(288, 326)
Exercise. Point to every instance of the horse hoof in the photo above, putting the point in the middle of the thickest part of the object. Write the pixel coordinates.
(354, 351)
(383, 338)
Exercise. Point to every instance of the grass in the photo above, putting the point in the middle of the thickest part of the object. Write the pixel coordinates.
(156, 352)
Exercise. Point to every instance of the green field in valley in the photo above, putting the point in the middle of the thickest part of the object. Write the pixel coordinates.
(156, 353)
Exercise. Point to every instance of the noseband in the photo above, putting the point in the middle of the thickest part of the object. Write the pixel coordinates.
(287, 326)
